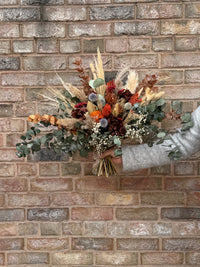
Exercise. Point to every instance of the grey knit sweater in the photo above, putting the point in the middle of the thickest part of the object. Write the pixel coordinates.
(143, 156)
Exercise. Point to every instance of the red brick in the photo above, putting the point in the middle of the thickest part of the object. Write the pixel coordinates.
(6, 170)
(117, 45)
(11, 244)
(73, 199)
(8, 155)
(193, 199)
(13, 185)
(136, 213)
(2, 259)
(92, 214)
(47, 244)
(193, 258)
(146, 183)
(51, 184)
(162, 258)
(26, 169)
(46, 169)
(184, 168)
(184, 229)
(96, 183)
(2, 200)
(8, 229)
(27, 200)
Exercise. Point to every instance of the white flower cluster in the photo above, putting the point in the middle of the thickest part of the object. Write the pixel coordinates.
(101, 142)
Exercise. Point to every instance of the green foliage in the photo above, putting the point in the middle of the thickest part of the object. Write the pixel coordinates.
(96, 83)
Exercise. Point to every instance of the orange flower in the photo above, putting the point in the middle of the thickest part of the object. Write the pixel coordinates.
(96, 115)
(135, 99)
(106, 110)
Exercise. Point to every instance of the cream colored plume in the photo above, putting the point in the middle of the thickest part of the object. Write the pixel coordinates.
(120, 76)
(132, 81)
(98, 72)
(91, 107)
(150, 96)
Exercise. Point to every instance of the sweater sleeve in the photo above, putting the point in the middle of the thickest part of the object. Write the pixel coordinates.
(143, 156)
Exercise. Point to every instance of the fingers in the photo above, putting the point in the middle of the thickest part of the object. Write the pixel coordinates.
(109, 152)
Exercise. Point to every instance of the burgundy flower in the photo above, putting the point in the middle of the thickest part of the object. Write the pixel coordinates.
(79, 111)
(126, 94)
(110, 86)
(116, 126)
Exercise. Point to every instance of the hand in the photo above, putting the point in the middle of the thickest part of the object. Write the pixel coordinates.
(110, 152)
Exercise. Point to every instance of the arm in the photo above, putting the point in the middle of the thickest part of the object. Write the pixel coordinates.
(143, 156)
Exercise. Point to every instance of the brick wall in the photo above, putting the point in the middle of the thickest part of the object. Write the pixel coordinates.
(53, 212)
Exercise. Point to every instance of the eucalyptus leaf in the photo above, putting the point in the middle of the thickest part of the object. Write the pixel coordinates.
(98, 82)
(161, 135)
(186, 117)
(177, 106)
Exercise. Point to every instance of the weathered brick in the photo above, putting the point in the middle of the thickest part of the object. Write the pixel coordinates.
(91, 45)
(92, 214)
(50, 228)
(192, 257)
(41, 2)
(70, 46)
(70, 168)
(48, 155)
(138, 61)
(192, 10)
(28, 258)
(184, 229)
(64, 13)
(139, 44)
(181, 244)
(24, 46)
(46, 169)
(133, 1)
(11, 244)
(26, 169)
(185, 44)
(17, 125)
(183, 184)
(95, 229)
(11, 95)
(137, 244)
(117, 45)
(96, 183)
(180, 213)
(85, 243)
(44, 63)
(51, 185)
(8, 2)
(84, 2)
(162, 199)
(8, 155)
(6, 110)
(192, 76)
(72, 228)
(21, 14)
(62, 258)
(13, 185)
(136, 214)
(184, 168)
(11, 215)
(162, 229)
(12, 139)
(86, 60)
(164, 170)
(8, 229)
(9, 63)
(2, 259)
(111, 13)
(117, 199)
(71, 199)
(2, 200)
(149, 183)
(84, 29)
(193, 199)
(136, 28)
(182, 92)
(47, 244)
(24, 109)
(162, 44)
(180, 27)
(47, 46)
(22, 200)
(4, 47)
(6, 170)
(162, 258)
(116, 258)
(45, 107)
(180, 60)
(27, 228)
(43, 30)
(9, 30)
(159, 11)
(46, 214)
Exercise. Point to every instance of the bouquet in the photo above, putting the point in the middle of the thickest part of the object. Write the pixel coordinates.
(101, 115)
